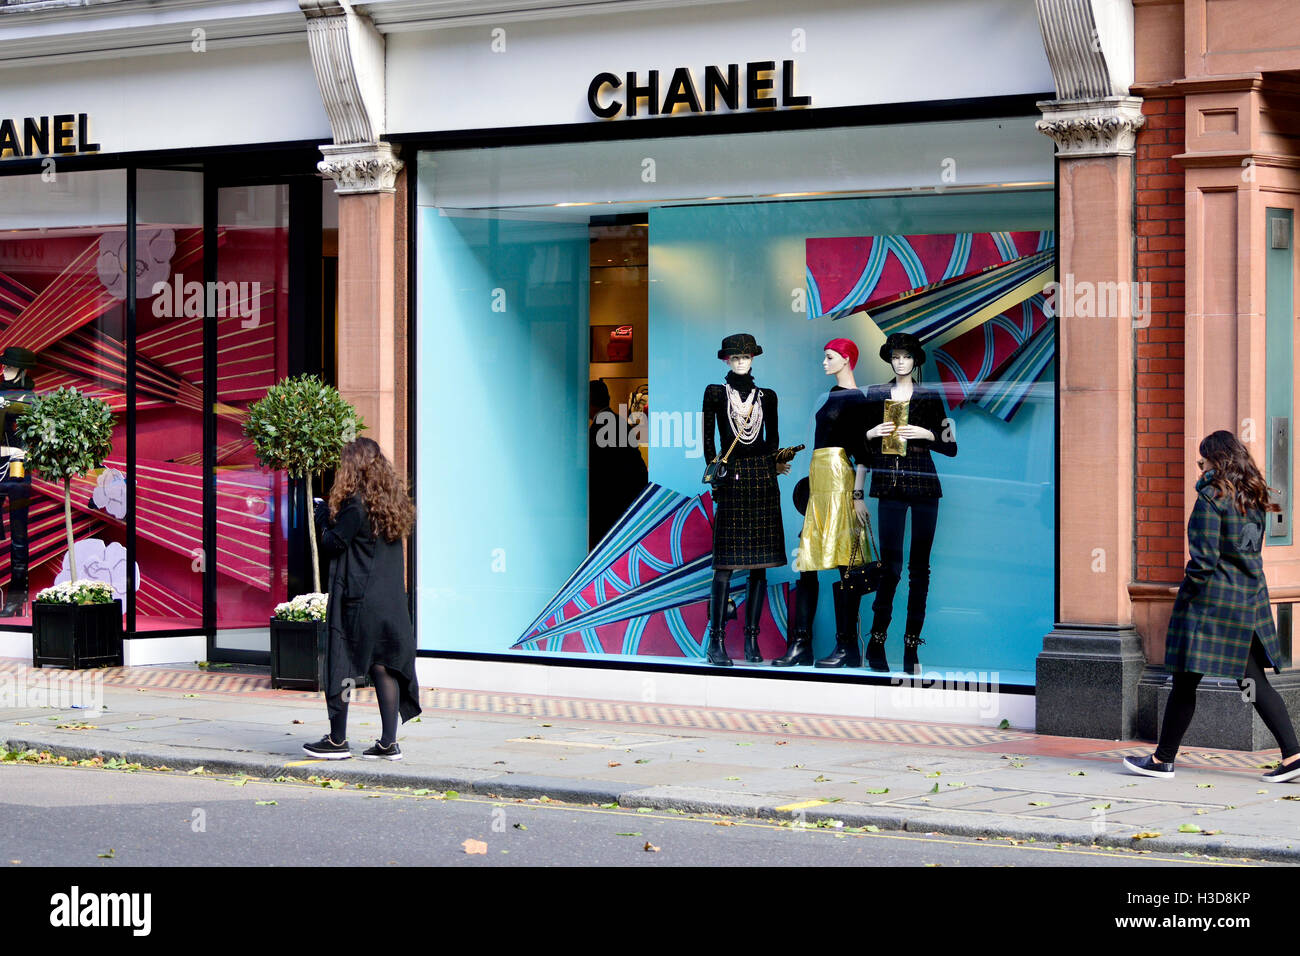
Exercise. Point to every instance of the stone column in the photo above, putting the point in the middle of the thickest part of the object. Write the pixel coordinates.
(1091, 661)
(348, 56)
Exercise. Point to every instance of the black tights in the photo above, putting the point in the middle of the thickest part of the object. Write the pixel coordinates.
(387, 692)
(1182, 705)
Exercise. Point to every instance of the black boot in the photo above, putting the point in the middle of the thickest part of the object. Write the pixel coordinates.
(910, 663)
(755, 596)
(846, 653)
(797, 651)
(16, 598)
(716, 651)
(876, 658)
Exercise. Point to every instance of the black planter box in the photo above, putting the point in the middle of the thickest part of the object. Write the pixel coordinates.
(298, 654)
(76, 635)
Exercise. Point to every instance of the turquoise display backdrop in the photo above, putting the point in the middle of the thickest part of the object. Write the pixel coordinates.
(501, 392)
(715, 270)
(501, 410)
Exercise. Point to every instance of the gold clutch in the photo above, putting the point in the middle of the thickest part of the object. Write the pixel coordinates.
(895, 412)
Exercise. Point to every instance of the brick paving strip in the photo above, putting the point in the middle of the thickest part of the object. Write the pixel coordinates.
(897, 775)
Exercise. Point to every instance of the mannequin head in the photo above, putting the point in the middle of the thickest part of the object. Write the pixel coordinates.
(844, 351)
(904, 353)
(833, 362)
(740, 364)
(902, 362)
(11, 373)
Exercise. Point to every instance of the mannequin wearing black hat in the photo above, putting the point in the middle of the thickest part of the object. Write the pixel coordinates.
(747, 531)
(834, 514)
(16, 392)
(902, 479)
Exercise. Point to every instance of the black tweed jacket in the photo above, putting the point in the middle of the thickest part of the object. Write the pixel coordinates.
(911, 475)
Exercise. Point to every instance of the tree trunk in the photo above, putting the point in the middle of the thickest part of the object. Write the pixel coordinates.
(67, 521)
(311, 535)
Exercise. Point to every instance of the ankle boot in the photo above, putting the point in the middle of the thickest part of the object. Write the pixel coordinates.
(846, 653)
(716, 650)
(876, 658)
(752, 653)
(910, 663)
(797, 651)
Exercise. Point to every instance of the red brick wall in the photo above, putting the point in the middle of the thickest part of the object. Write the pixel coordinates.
(1161, 524)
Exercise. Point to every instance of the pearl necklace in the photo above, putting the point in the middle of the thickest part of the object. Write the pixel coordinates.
(746, 417)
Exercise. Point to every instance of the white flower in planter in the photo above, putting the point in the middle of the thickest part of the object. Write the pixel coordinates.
(110, 492)
(97, 561)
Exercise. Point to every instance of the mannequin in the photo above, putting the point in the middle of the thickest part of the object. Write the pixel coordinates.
(835, 513)
(15, 482)
(903, 482)
(747, 531)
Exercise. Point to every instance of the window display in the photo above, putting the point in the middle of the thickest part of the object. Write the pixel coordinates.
(951, 281)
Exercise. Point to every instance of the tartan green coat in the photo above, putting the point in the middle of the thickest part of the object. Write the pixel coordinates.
(1223, 600)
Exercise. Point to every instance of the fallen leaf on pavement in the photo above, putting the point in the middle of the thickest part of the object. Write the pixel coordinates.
(650, 847)
(723, 823)
(107, 856)
(194, 771)
(1145, 835)
(297, 721)
(615, 763)
(1188, 828)
(637, 833)
(265, 803)
(475, 846)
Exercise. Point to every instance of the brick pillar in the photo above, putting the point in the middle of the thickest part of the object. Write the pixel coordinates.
(1088, 671)
(1161, 246)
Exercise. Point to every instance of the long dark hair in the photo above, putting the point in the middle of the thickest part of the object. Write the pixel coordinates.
(1235, 476)
(363, 468)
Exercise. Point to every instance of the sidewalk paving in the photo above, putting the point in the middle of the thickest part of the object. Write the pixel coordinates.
(921, 777)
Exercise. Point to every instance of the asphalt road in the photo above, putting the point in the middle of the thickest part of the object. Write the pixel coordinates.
(90, 817)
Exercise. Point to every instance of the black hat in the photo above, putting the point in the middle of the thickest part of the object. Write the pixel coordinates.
(742, 343)
(15, 357)
(906, 342)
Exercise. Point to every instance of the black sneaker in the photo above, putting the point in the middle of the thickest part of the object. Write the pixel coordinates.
(1151, 767)
(1282, 772)
(380, 752)
(327, 749)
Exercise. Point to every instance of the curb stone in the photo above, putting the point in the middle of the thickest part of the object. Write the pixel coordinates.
(691, 800)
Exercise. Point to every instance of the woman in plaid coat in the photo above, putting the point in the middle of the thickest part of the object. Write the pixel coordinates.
(1221, 623)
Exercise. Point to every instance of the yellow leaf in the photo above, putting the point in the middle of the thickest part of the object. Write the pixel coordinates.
(1145, 835)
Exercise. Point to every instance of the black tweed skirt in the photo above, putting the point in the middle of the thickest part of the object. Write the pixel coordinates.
(747, 530)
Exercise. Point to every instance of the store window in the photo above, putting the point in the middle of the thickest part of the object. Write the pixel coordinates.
(65, 278)
(573, 301)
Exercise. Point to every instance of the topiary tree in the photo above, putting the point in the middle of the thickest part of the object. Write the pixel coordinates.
(66, 433)
(300, 426)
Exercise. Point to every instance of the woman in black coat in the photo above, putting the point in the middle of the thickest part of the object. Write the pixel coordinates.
(1222, 624)
(370, 632)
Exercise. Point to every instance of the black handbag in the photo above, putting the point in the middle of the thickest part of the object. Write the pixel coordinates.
(862, 579)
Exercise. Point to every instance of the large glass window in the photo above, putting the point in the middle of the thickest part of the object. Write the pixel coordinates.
(572, 302)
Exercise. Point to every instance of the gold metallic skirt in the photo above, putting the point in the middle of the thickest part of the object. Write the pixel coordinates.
(829, 523)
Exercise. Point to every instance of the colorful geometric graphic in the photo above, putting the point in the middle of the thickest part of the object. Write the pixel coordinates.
(974, 299)
(645, 588)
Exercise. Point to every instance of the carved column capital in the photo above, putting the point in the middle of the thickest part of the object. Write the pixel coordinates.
(363, 168)
(1094, 127)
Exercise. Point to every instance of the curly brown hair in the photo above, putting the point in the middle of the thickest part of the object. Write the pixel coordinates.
(1235, 476)
(363, 469)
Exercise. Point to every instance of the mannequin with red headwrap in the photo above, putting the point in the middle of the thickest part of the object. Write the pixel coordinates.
(835, 513)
